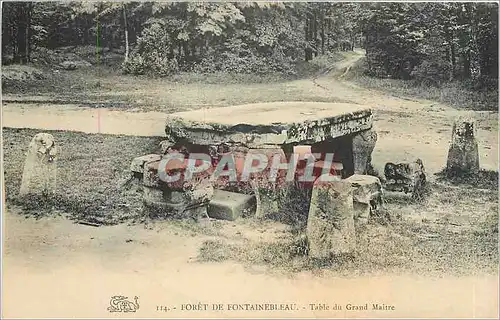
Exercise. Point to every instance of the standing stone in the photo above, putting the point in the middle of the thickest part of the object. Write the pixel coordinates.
(198, 193)
(363, 144)
(330, 225)
(40, 167)
(463, 155)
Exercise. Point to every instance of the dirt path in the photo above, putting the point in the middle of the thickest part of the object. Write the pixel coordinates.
(57, 266)
(88, 120)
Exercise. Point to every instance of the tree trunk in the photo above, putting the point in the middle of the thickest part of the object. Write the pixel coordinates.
(125, 27)
(307, 29)
(452, 54)
(133, 34)
(97, 43)
(6, 39)
(322, 33)
(185, 49)
(453, 59)
(315, 33)
(466, 65)
(192, 50)
(110, 39)
(22, 29)
(28, 31)
(85, 31)
(328, 28)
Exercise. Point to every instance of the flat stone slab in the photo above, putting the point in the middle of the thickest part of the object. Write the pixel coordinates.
(227, 205)
(269, 124)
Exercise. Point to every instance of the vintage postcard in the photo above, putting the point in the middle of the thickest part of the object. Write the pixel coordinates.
(249, 159)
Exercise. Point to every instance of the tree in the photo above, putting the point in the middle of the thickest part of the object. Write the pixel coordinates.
(16, 27)
(113, 11)
(437, 41)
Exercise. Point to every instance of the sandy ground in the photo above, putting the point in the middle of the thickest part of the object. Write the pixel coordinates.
(88, 120)
(54, 268)
(73, 270)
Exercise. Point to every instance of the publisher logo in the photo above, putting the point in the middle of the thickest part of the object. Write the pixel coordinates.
(122, 304)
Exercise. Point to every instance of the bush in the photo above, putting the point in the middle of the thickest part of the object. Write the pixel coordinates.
(161, 66)
(151, 55)
(156, 54)
(432, 72)
(245, 62)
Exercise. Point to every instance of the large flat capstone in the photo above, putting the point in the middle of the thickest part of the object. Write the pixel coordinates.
(269, 124)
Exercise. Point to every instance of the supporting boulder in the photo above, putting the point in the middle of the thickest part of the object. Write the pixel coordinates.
(177, 199)
(463, 154)
(330, 225)
(363, 144)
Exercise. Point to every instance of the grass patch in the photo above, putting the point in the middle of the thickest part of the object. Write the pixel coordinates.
(104, 85)
(90, 167)
(206, 227)
(100, 86)
(278, 254)
(448, 233)
(214, 251)
(227, 78)
(484, 179)
(294, 207)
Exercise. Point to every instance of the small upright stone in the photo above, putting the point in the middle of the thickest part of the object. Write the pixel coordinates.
(406, 177)
(40, 167)
(463, 155)
(269, 192)
(330, 225)
(367, 196)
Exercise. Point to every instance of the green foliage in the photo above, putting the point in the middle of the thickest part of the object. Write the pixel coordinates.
(392, 40)
(151, 54)
(429, 42)
(432, 42)
(432, 72)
